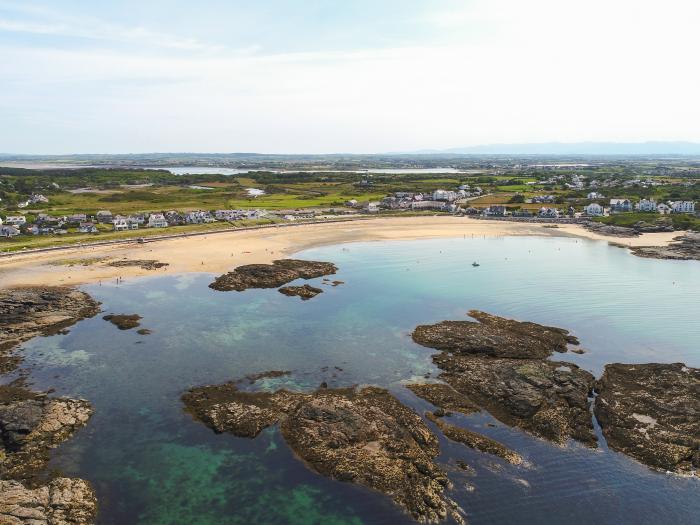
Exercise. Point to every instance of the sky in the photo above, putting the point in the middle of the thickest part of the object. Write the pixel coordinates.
(350, 76)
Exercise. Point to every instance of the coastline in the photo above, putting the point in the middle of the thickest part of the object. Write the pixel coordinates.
(220, 252)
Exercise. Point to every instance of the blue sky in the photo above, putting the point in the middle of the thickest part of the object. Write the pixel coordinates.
(353, 76)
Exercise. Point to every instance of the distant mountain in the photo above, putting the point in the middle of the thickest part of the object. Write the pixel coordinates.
(577, 148)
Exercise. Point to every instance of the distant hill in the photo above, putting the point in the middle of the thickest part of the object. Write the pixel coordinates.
(577, 148)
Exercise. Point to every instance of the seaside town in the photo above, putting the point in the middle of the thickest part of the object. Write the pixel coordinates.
(562, 197)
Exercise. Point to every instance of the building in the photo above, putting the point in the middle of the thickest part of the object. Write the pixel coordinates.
(38, 198)
(646, 205)
(663, 209)
(122, 224)
(548, 213)
(620, 205)
(8, 231)
(594, 210)
(76, 218)
(15, 220)
(595, 195)
(87, 227)
(495, 211)
(198, 217)
(682, 206)
(104, 216)
(428, 205)
(444, 195)
(371, 207)
(157, 220)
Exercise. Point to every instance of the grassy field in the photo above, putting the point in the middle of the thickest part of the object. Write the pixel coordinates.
(680, 221)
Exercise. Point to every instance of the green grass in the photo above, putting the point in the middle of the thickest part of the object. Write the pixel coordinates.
(680, 221)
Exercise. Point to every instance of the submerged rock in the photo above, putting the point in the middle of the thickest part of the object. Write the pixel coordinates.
(273, 275)
(305, 291)
(546, 398)
(145, 264)
(31, 424)
(124, 321)
(683, 248)
(29, 312)
(652, 413)
(475, 440)
(494, 336)
(364, 436)
(62, 501)
(444, 397)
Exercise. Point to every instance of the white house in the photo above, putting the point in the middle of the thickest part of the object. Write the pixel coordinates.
(87, 227)
(663, 209)
(621, 205)
(198, 217)
(8, 231)
(549, 213)
(595, 195)
(122, 224)
(646, 205)
(594, 209)
(444, 195)
(157, 220)
(104, 216)
(427, 205)
(15, 220)
(683, 206)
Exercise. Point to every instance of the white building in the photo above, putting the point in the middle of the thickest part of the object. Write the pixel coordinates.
(646, 205)
(663, 209)
(595, 195)
(198, 217)
(104, 216)
(87, 227)
(428, 205)
(594, 209)
(122, 224)
(621, 205)
(683, 206)
(157, 220)
(15, 220)
(444, 195)
(8, 231)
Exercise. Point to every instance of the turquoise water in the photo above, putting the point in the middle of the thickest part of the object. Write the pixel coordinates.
(150, 463)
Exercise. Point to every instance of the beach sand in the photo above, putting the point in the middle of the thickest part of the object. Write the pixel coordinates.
(221, 252)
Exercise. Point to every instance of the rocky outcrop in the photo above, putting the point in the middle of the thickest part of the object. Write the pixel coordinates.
(494, 336)
(364, 436)
(546, 398)
(683, 248)
(610, 230)
(62, 501)
(124, 321)
(32, 311)
(273, 275)
(144, 264)
(652, 413)
(31, 424)
(444, 397)
(305, 291)
(475, 440)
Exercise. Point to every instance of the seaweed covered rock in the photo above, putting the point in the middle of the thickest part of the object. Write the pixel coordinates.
(62, 501)
(28, 312)
(144, 264)
(652, 413)
(494, 336)
(683, 248)
(273, 275)
(364, 436)
(444, 397)
(31, 424)
(124, 321)
(305, 291)
(546, 398)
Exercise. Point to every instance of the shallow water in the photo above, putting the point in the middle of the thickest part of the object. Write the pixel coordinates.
(151, 463)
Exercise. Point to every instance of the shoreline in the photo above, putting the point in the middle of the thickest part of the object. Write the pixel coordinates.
(219, 252)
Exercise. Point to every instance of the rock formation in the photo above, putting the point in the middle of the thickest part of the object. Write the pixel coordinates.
(273, 275)
(305, 291)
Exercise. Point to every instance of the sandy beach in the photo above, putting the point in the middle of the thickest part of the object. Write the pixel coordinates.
(220, 252)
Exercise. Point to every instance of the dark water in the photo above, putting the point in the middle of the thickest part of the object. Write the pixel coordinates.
(150, 463)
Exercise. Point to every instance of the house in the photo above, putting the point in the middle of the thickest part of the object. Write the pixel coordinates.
(76, 218)
(173, 218)
(157, 220)
(663, 209)
(682, 206)
(521, 213)
(8, 231)
(595, 194)
(620, 205)
(351, 203)
(229, 215)
(444, 195)
(15, 220)
(495, 211)
(543, 199)
(646, 205)
(38, 198)
(87, 227)
(548, 213)
(104, 216)
(594, 210)
(371, 207)
(122, 224)
(198, 217)
(427, 205)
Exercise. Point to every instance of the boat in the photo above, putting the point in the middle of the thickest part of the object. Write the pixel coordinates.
(475, 264)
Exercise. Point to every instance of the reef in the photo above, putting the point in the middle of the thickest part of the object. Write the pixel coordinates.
(29, 312)
(364, 436)
(651, 412)
(305, 291)
(273, 275)
(494, 336)
(683, 248)
(124, 321)
(144, 264)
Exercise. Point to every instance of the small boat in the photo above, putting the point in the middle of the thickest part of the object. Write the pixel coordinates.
(475, 264)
